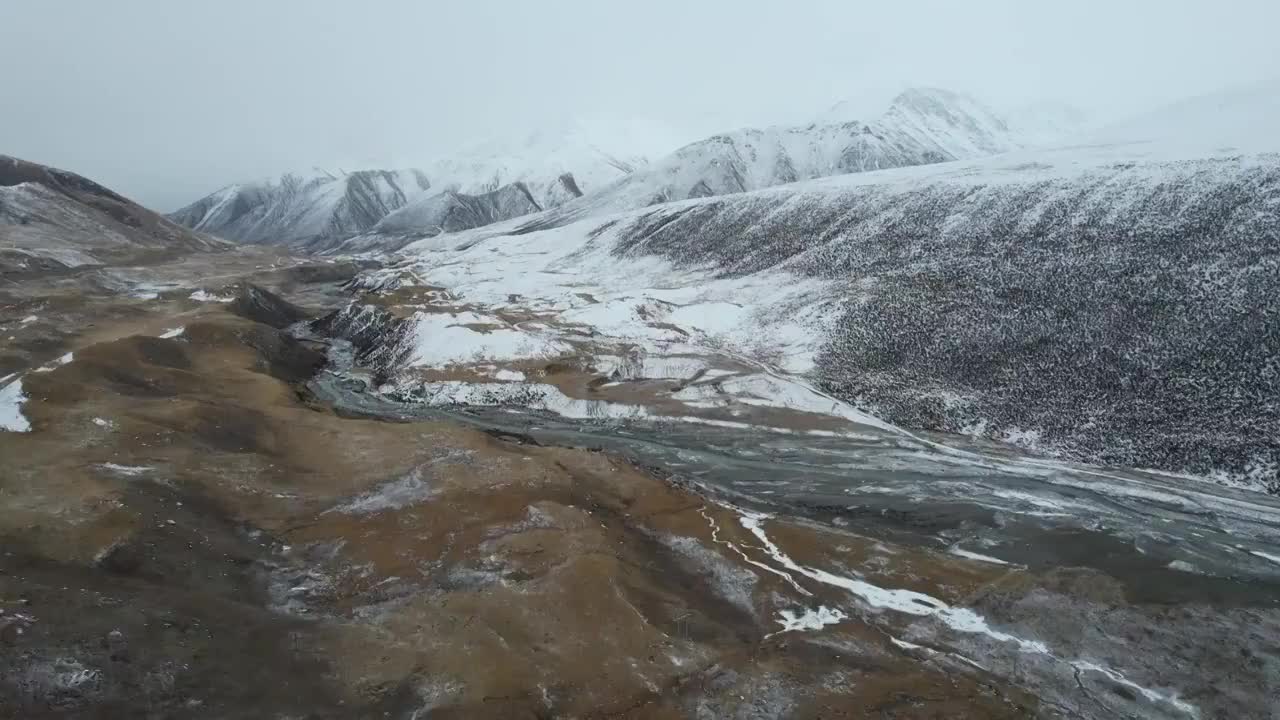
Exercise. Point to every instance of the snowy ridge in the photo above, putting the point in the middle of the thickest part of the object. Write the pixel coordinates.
(305, 211)
(451, 211)
(920, 126)
(319, 209)
(568, 174)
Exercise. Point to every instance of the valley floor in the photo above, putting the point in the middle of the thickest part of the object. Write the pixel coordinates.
(206, 512)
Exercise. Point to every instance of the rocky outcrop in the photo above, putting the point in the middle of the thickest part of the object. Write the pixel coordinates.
(377, 336)
(263, 306)
(453, 211)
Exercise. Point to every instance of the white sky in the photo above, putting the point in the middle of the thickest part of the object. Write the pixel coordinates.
(166, 100)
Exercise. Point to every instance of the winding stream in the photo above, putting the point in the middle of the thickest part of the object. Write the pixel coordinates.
(1167, 539)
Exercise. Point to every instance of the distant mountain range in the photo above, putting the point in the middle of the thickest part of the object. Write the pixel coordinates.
(921, 126)
(304, 211)
(565, 176)
(315, 211)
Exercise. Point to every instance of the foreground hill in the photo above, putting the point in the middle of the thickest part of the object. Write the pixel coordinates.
(52, 219)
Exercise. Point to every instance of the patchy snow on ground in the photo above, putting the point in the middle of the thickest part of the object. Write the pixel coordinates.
(959, 552)
(631, 319)
(11, 400)
(958, 619)
(173, 332)
(1267, 556)
(402, 492)
(128, 470)
(206, 296)
(641, 366)
(441, 340)
(732, 581)
(809, 619)
(537, 396)
(59, 362)
(642, 299)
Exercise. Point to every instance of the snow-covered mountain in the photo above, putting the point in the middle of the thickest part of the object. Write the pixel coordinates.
(318, 210)
(53, 219)
(1109, 301)
(306, 211)
(919, 126)
(568, 174)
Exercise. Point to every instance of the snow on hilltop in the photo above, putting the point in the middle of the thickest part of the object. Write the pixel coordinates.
(570, 173)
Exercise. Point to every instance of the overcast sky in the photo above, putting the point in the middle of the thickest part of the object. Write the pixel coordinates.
(166, 100)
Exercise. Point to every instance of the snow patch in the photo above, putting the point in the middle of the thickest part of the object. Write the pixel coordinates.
(63, 360)
(129, 470)
(11, 400)
(1266, 556)
(536, 396)
(809, 619)
(206, 296)
(961, 620)
(439, 340)
(976, 556)
(734, 583)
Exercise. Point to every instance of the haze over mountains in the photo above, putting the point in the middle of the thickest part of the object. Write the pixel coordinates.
(565, 169)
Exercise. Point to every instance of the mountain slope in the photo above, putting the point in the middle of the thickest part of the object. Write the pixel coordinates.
(452, 211)
(52, 219)
(304, 212)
